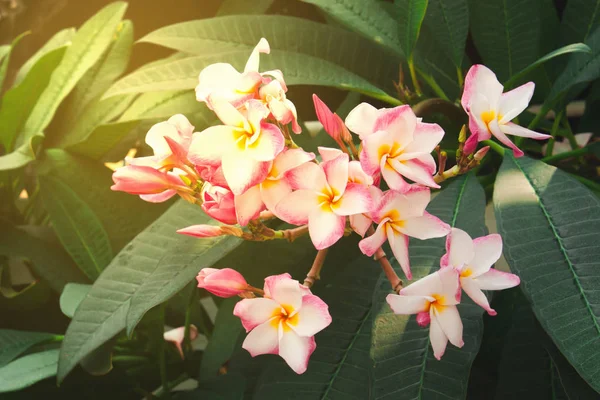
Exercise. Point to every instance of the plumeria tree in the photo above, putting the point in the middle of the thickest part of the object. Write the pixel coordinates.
(260, 254)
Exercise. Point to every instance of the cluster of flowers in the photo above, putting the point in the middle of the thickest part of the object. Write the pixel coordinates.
(250, 164)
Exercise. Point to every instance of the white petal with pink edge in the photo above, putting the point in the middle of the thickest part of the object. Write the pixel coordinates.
(248, 205)
(312, 317)
(273, 191)
(451, 324)
(437, 337)
(289, 159)
(262, 340)
(399, 121)
(297, 206)
(514, 102)
(374, 147)
(425, 227)
(393, 178)
(481, 80)
(307, 176)
(460, 248)
(209, 146)
(499, 134)
(497, 280)
(158, 197)
(407, 305)
(336, 173)
(273, 280)
(415, 170)
(426, 286)
(216, 77)
(242, 172)
(227, 113)
(269, 143)
(517, 130)
(284, 290)
(360, 223)
(487, 250)
(325, 228)
(474, 292)
(254, 312)
(362, 119)
(425, 138)
(370, 244)
(296, 350)
(254, 60)
(355, 200)
(399, 244)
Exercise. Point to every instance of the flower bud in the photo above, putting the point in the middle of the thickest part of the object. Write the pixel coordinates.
(481, 153)
(327, 119)
(218, 202)
(202, 231)
(423, 318)
(224, 282)
(462, 136)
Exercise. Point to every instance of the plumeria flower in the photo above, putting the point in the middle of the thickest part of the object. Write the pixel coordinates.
(219, 203)
(434, 299)
(242, 147)
(323, 199)
(473, 260)
(400, 216)
(275, 187)
(224, 282)
(202, 231)
(282, 109)
(177, 335)
(563, 146)
(397, 144)
(284, 322)
(490, 111)
(150, 184)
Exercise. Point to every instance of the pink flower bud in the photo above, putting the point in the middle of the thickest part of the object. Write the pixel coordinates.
(224, 282)
(202, 231)
(327, 119)
(218, 202)
(152, 184)
(423, 319)
(481, 153)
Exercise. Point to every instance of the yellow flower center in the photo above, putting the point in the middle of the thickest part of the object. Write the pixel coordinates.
(437, 304)
(286, 316)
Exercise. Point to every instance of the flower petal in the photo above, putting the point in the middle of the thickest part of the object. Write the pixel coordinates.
(481, 80)
(514, 102)
(248, 205)
(297, 206)
(269, 143)
(499, 134)
(242, 172)
(254, 60)
(472, 290)
(362, 119)
(201, 231)
(497, 280)
(425, 138)
(325, 228)
(406, 305)
(426, 286)
(374, 147)
(399, 244)
(355, 200)
(336, 173)
(158, 197)
(137, 179)
(296, 350)
(460, 249)
(415, 170)
(425, 227)
(312, 317)
(451, 324)
(517, 130)
(263, 339)
(307, 176)
(487, 250)
(289, 159)
(438, 338)
(273, 191)
(209, 146)
(360, 223)
(369, 245)
(399, 121)
(214, 78)
(227, 113)
(409, 205)
(393, 178)
(327, 153)
(254, 312)
(284, 290)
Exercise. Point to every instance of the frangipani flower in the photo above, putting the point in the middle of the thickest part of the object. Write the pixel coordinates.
(218, 202)
(397, 143)
(224, 282)
(473, 260)
(275, 187)
(490, 111)
(242, 147)
(177, 335)
(282, 109)
(323, 199)
(284, 322)
(149, 183)
(400, 216)
(434, 299)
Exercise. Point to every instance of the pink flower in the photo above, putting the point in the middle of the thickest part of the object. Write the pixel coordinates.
(224, 282)
(282, 109)
(400, 216)
(177, 335)
(473, 260)
(150, 184)
(490, 111)
(332, 123)
(218, 202)
(284, 322)
(269, 192)
(397, 144)
(202, 231)
(242, 147)
(323, 199)
(434, 299)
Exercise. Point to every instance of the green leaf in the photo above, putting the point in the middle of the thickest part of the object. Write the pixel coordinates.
(50, 262)
(448, 20)
(579, 19)
(298, 69)
(88, 45)
(548, 222)
(244, 7)
(400, 348)
(341, 47)
(163, 105)
(28, 370)
(122, 215)
(22, 155)
(225, 387)
(103, 139)
(71, 296)
(506, 34)
(18, 101)
(61, 38)
(5, 52)
(78, 228)
(223, 340)
(13, 343)
(572, 48)
(340, 367)
(158, 258)
(367, 17)
(411, 13)
(107, 69)
(582, 67)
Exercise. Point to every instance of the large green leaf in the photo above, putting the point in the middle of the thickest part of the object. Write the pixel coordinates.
(22, 155)
(548, 221)
(404, 361)
(411, 13)
(506, 34)
(13, 343)
(367, 17)
(71, 296)
(88, 45)
(298, 69)
(157, 258)
(579, 19)
(122, 215)
(341, 47)
(49, 262)
(244, 7)
(78, 228)
(5, 52)
(27, 370)
(104, 138)
(18, 102)
(59, 39)
(163, 105)
(448, 20)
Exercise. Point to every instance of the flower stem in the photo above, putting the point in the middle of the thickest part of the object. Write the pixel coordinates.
(555, 125)
(413, 75)
(567, 154)
(494, 146)
(390, 274)
(314, 274)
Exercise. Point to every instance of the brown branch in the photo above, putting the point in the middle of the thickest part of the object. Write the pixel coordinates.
(314, 274)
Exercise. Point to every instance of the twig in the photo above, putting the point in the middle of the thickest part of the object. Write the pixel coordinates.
(390, 274)
(314, 274)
